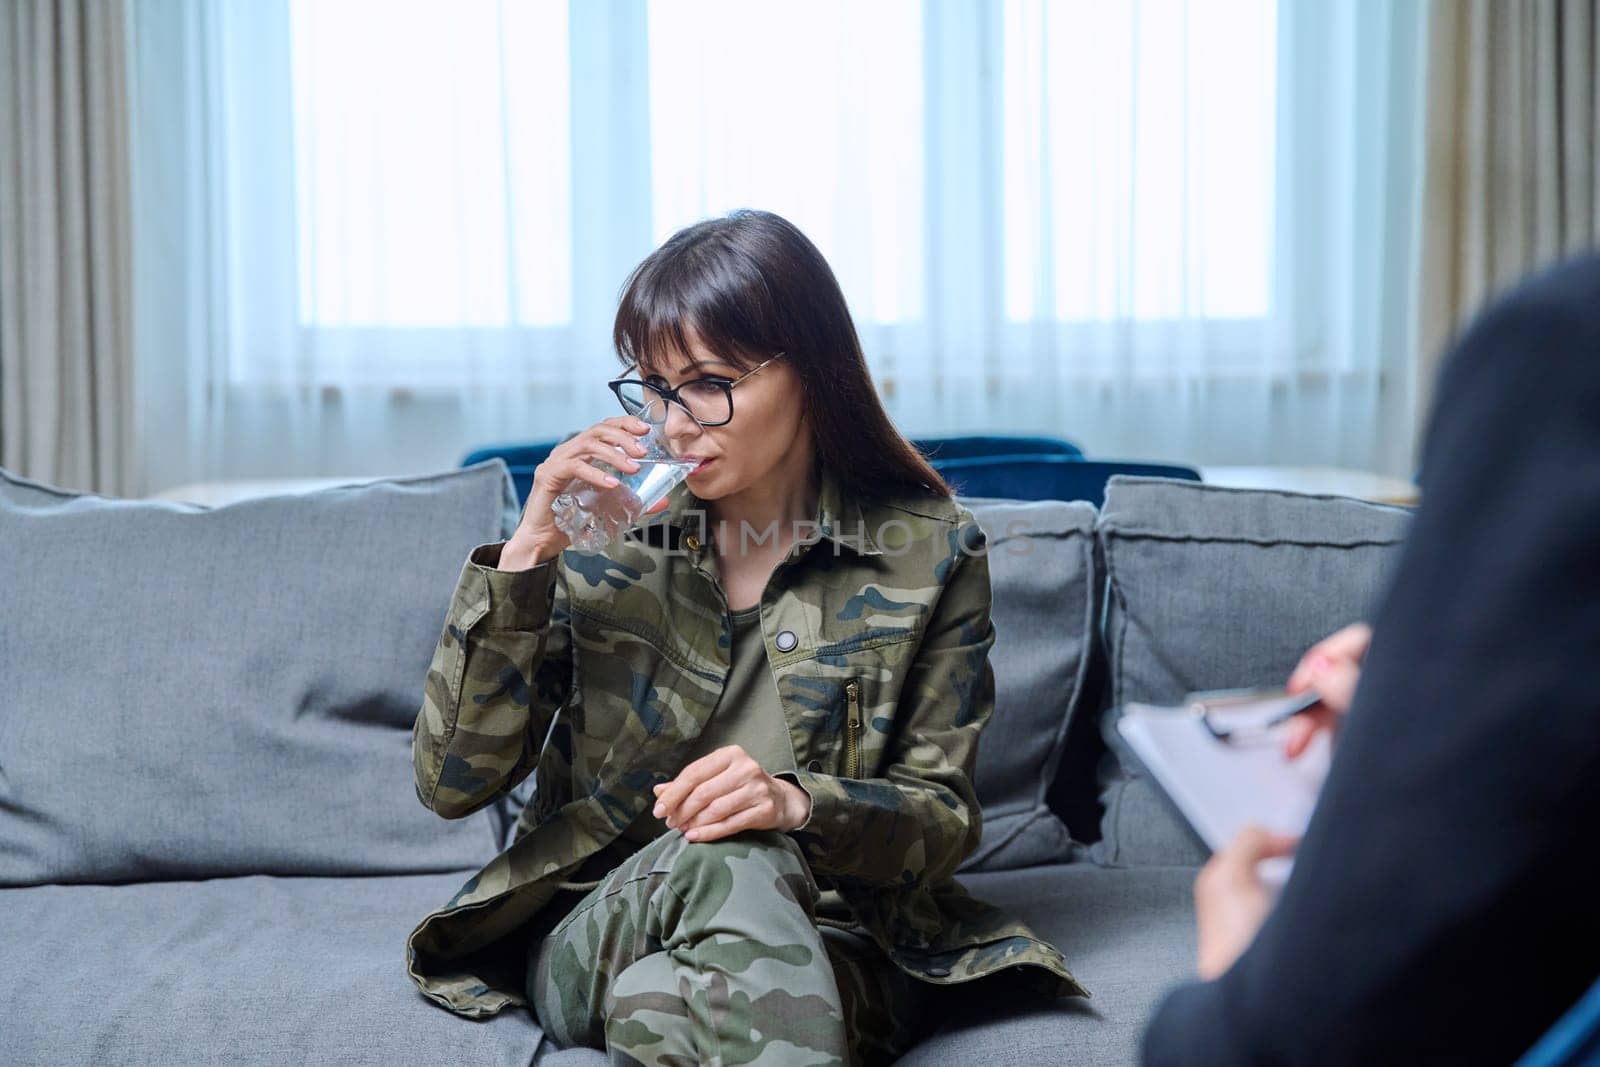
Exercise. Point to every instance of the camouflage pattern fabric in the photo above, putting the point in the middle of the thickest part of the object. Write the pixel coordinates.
(708, 953)
(595, 672)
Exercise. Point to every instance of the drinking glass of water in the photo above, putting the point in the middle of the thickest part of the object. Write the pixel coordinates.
(593, 517)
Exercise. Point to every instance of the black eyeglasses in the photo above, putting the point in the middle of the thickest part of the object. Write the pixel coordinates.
(709, 401)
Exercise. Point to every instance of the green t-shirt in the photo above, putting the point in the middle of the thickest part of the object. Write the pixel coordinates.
(748, 714)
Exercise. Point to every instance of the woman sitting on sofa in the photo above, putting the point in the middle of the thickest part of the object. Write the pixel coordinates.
(759, 725)
(1444, 905)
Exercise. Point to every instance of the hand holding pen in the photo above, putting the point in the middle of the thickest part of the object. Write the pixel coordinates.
(1331, 668)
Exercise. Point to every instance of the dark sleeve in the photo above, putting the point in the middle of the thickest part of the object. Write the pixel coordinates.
(1445, 906)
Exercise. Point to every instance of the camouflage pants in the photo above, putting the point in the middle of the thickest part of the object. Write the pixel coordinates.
(708, 953)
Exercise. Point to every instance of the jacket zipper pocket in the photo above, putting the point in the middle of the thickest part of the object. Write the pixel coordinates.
(852, 730)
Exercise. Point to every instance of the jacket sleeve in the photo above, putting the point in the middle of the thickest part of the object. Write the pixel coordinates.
(501, 670)
(922, 818)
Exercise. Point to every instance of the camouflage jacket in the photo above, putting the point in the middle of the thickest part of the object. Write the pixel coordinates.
(596, 671)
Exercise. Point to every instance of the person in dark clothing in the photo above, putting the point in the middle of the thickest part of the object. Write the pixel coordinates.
(1444, 905)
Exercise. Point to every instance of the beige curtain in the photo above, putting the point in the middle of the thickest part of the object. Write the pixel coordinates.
(67, 406)
(1512, 169)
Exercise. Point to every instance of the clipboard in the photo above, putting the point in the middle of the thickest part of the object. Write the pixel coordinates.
(1216, 786)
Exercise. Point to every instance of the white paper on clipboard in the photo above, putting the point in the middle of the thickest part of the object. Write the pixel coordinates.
(1220, 787)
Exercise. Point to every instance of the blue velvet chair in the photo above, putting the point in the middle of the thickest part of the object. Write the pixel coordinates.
(965, 447)
(1046, 477)
(521, 458)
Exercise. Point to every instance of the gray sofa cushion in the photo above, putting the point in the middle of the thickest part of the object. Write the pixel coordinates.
(195, 692)
(1212, 587)
(251, 970)
(269, 970)
(1128, 937)
(1041, 569)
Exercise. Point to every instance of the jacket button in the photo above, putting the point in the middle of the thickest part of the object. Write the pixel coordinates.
(814, 766)
(786, 640)
(692, 543)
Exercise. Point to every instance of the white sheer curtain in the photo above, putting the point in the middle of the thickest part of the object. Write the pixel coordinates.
(373, 235)
(1209, 224)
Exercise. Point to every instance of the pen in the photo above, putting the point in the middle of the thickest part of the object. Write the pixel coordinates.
(1270, 707)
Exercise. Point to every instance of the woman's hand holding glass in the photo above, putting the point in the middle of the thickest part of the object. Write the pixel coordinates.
(537, 537)
(726, 791)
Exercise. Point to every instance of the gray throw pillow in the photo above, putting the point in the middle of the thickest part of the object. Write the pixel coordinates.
(192, 692)
(1212, 587)
(1041, 571)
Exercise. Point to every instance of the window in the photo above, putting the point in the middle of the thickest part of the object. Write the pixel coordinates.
(1002, 183)
(1139, 159)
(1162, 228)
(432, 163)
(814, 111)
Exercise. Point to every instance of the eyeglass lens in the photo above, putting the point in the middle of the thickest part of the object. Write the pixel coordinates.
(706, 401)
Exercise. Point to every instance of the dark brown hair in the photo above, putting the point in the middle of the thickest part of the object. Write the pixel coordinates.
(750, 284)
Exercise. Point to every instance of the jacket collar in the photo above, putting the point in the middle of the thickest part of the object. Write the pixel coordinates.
(840, 518)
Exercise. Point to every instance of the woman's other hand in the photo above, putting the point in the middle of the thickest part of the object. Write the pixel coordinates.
(726, 791)
(537, 537)
(1332, 667)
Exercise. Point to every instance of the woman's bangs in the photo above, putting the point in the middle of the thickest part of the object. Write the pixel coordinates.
(650, 331)
(659, 320)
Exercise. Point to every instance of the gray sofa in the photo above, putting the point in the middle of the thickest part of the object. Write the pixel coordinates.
(210, 845)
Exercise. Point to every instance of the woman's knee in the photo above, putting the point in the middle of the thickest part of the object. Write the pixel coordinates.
(772, 846)
(761, 858)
